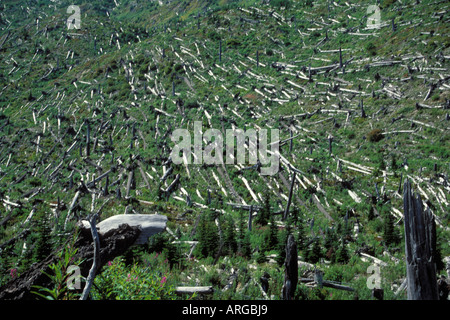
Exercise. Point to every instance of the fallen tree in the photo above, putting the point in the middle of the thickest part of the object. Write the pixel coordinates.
(116, 236)
(326, 283)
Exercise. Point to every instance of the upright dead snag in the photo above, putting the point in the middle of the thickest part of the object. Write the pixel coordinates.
(96, 258)
(420, 246)
(291, 269)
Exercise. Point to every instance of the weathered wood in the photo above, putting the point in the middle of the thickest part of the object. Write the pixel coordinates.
(11, 241)
(100, 177)
(402, 287)
(420, 247)
(95, 260)
(149, 224)
(129, 183)
(88, 138)
(320, 207)
(72, 206)
(168, 172)
(318, 278)
(286, 211)
(171, 187)
(105, 189)
(192, 290)
(374, 259)
(291, 269)
(258, 285)
(244, 206)
(231, 280)
(424, 106)
(329, 284)
(363, 113)
(112, 244)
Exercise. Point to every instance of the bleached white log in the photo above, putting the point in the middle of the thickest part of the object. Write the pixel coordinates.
(354, 196)
(149, 224)
(376, 260)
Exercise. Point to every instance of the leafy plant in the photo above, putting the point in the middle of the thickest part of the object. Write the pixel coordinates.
(135, 282)
(59, 274)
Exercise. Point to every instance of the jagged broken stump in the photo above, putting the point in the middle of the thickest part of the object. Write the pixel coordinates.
(420, 248)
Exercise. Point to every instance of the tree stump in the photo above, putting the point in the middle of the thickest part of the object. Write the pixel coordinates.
(420, 246)
(378, 293)
(291, 269)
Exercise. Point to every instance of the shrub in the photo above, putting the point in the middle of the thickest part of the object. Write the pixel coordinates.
(391, 235)
(264, 214)
(192, 105)
(135, 282)
(281, 3)
(375, 135)
(230, 241)
(233, 43)
(208, 237)
(313, 252)
(371, 49)
(178, 67)
(342, 255)
(60, 277)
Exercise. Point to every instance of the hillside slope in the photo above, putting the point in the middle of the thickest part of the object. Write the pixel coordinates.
(86, 116)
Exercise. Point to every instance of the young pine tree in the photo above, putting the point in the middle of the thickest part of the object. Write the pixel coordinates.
(314, 251)
(271, 236)
(295, 215)
(301, 236)
(282, 240)
(263, 215)
(43, 246)
(230, 242)
(390, 234)
(245, 246)
(208, 236)
(330, 244)
(173, 254)
(342, 255)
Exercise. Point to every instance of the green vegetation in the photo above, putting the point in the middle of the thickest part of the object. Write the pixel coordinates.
(138, 70)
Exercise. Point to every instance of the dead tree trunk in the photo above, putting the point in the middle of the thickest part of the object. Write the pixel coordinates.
(291, 269)
(113, 244)
(115, 234)
(363, 113)
(96, 259)
(129, 182)
(291, 143)
(88, 138)
(286, 212)
(420, 246)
